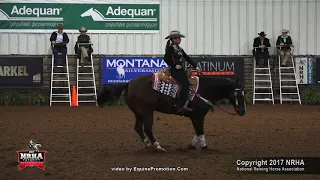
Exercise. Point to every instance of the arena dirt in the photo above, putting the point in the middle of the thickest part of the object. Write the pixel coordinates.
(86, 142)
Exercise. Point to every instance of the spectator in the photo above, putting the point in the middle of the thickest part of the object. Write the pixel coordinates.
(284, 43)
(261, 45)
(83, 51)
(59, 41)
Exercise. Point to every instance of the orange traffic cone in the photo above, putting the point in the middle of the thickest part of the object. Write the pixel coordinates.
(74, 99)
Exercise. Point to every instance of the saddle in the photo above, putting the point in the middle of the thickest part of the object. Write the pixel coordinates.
(165, 76)
(164, 83)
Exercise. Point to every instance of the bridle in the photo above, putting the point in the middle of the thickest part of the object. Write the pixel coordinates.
(236, 91)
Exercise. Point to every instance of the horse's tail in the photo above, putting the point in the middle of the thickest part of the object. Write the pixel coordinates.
(111, 92)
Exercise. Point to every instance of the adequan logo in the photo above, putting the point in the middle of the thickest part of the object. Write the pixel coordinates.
(134, 14)
(31, 14)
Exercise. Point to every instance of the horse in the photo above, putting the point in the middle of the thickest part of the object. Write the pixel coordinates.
(143, 100)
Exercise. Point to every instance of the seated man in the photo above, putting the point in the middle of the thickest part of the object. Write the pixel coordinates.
(284, 43)
(260, 44)
(59, 41)
(83, 50)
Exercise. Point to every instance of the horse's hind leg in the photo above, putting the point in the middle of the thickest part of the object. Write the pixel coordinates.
(148, 123)
(139, 129)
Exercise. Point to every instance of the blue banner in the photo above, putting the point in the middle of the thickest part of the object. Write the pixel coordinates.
(318, 70)
(122, 69)
(310, 71)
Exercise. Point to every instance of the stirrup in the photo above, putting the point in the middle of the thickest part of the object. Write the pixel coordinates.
(184, 109)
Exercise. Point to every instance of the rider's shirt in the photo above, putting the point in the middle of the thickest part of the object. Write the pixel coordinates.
(175, 55)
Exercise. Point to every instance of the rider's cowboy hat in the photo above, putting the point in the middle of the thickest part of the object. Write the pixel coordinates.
(175, 34)
(262, 33)
(284, 31)
(83, 29)
(60, 26)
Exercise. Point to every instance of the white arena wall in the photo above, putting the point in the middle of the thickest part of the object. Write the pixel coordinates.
(212, 27)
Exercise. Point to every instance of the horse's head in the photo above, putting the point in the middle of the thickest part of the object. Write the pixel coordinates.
(237, 98)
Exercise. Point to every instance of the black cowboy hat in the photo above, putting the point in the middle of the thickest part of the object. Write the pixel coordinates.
(262, 33)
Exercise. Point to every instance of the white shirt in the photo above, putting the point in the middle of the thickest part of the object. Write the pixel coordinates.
(59, 38)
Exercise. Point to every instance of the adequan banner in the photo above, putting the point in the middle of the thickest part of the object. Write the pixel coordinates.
(304, 70)
(21, 70)
(99, 18)
(229, 67)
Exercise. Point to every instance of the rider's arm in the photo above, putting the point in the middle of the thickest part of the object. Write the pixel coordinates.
(168, 57)
(189, 59)
(268, 43)
(278, 41)
(289, 40)
(256, 43)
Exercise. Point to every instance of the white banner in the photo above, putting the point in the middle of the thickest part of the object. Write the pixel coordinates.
(304, 70)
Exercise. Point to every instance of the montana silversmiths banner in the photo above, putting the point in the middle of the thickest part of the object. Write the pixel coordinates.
(122, 69)
(95, 17)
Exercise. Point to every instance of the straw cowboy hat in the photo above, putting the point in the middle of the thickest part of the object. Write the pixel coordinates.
(284, 31)
(262, 33)
(60, 26)
(175, 34)
(83, 29)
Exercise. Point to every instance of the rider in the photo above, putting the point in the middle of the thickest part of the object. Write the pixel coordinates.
(175, 57)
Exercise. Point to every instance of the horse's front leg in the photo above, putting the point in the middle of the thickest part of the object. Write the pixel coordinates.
(198, 123)
(148, 123)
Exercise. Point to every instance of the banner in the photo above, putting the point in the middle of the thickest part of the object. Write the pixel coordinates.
(229, 67)
(318, 70)
(95, 17)
(123, 69)
(21, 70)
(304, 70)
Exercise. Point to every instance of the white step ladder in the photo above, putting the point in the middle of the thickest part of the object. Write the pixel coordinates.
(60, 83)
(86, 82)
(262, 84)
(289, 89)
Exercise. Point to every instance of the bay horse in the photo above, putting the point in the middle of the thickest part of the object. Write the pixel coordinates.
(143, 100)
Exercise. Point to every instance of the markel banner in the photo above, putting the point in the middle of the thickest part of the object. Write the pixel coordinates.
(21, 70)
(95, 17)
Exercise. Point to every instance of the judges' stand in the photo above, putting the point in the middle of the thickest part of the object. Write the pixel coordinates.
(262, 82)
(289, 90)
(60, 83)
(86, 83)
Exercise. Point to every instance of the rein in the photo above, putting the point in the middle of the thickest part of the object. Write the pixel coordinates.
(226, 111)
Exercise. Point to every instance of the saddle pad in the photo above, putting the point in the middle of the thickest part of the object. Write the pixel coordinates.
(164, 86)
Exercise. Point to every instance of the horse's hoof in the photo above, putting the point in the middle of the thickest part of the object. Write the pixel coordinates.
(147, 143)
(157, 146)
(205, 148)
(190, 147)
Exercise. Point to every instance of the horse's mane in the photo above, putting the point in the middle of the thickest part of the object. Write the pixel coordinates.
(217, 81)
